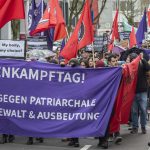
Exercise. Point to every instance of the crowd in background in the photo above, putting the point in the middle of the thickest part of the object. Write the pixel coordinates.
(86, 59)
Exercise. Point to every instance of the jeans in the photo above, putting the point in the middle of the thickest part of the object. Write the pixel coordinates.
(139, 109)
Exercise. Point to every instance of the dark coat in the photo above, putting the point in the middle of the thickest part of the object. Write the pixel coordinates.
(142, 84)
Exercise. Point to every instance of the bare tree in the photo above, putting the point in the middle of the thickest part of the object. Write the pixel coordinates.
(96, 19)
(15, 26)
(130, 10)
(76, 8)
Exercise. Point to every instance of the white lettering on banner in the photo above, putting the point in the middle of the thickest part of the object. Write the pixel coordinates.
(51, 75)
(15, 73)
(48, 115)
(47, 101)
(60, 76)
(62, 102)
(26, 107)
(43, 74)
(33, 75)
(6, 72)
(23, 74)
(67, 116)
(67, 78)
(17, 99)
(12, 113)
(30, 74)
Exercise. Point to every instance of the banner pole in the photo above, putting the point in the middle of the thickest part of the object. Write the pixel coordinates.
(93, 54)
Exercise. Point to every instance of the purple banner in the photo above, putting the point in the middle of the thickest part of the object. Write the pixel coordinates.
(147, 51)
(43, 100)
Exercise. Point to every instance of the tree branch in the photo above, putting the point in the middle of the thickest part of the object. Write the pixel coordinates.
(96, 19)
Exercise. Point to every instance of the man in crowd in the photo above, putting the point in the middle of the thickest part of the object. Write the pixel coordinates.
(139, 107)
(74, 141)
(113, 62)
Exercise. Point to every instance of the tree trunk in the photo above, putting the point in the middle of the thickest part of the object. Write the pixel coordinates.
(15, 26)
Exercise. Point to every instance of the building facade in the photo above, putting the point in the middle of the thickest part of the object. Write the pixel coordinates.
(105, 21)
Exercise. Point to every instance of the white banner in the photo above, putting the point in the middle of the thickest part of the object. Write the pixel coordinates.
(37, 43)
(9, 49)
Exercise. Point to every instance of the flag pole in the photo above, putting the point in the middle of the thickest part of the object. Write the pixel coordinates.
(42, 7)
(42, 12)
(93, 55)
(25, 26)
(67, 33)
(64, 5)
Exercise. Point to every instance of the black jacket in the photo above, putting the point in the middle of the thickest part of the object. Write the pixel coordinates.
(142, 80)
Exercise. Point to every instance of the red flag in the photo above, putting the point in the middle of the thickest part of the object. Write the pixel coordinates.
(115, 27)
(110, 46)
(148, 16)
(94, 4)
(2, 3)
(60, 28)
(132, 38)
(48, 20)
(52, 17)
(130, 79)
(115, 32)
(82, 35)
(111, 43)
(11, 9)
(125, 96)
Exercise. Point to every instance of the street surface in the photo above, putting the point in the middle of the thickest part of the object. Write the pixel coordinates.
(130, 142)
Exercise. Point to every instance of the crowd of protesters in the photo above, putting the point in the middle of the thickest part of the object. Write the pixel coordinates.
(86, 59)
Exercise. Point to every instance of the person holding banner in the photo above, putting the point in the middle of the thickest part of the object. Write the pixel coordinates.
(103, 141)
(74, 141)
(84, 63)
(30, 140)
(91, 62)
(113, 62)
(7, 138)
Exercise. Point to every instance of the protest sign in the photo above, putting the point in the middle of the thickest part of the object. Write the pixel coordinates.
(43, 100)
(37, 43)
(12, 49)
(99, 44)
(124, 35)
